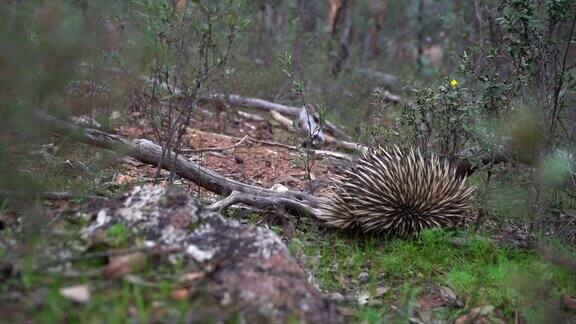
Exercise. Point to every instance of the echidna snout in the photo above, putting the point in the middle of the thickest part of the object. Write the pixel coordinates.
(397, 192)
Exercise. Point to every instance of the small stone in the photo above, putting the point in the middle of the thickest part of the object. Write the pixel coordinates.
(79, 294)
(337, 297)
(363, 297)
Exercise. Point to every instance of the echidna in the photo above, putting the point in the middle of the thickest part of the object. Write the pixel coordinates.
(397, 192)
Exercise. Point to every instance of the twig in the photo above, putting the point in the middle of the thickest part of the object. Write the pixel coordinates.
(217, 149)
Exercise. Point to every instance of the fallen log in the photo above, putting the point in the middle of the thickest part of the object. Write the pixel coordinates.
(151, 153)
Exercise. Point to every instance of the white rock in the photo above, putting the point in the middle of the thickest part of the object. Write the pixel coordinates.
(79, 294)
(198, 254)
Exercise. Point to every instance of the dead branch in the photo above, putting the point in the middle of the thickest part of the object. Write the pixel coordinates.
(255, 103)
(464, 167)
(392, 98)
(345, 144)
(288, 124)
(284, 121)
(151, 153)
(311, 127)
(250, 116)
(259, 202)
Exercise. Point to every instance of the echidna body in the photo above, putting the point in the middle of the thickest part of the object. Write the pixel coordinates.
(397, 192)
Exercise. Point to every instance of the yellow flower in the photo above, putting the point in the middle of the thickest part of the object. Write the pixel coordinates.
(454, 83)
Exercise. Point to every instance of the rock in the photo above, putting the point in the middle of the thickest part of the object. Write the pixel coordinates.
(248, 267)
(79, 294)
(363, 297)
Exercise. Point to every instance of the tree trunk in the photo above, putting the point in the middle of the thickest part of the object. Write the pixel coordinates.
(379, 11)
(339, 26)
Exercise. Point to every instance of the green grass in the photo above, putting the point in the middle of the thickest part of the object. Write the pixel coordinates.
(114, 303)
(479, 272)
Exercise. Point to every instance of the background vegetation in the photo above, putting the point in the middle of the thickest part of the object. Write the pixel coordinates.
(490, 82)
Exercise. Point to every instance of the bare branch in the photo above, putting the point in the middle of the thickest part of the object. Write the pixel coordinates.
(260, 202)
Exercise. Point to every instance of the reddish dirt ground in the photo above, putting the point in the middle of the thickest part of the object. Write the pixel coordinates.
(252, 163)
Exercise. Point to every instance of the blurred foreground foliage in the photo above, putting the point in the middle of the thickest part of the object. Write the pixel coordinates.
(474, 78)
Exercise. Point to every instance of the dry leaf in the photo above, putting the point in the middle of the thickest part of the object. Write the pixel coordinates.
(482, 314)
(124, 264)
(124, 179)
(180, 294)
(79, 294)
(380, 291)
(192, 276)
